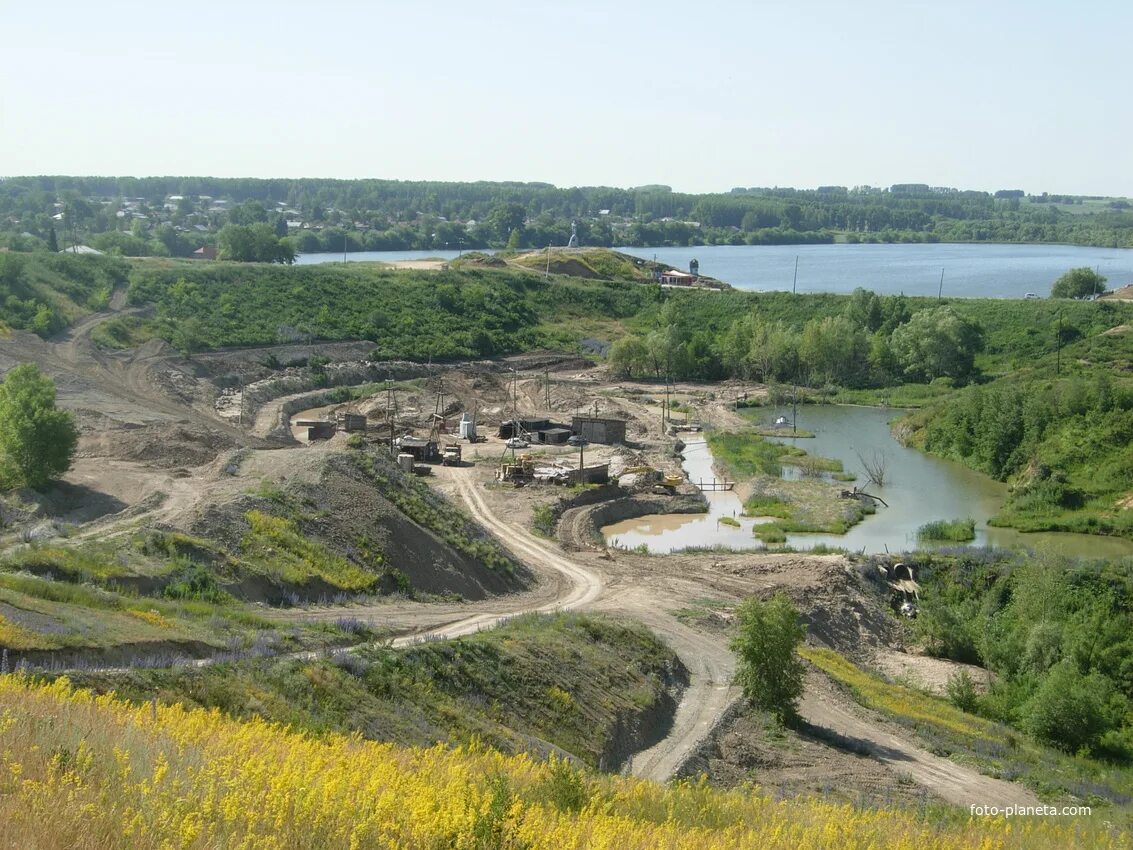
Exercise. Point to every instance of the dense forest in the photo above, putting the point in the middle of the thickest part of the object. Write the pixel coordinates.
(171, 216)
(1056, 637)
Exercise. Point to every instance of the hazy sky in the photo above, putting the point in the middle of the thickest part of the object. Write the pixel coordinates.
(700, 95)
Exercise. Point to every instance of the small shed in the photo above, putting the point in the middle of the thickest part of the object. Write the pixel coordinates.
(673, 277)
(598, 429)
(522, 427)
(556, 435)
(317, 429)
(351, 422)
(423, 451)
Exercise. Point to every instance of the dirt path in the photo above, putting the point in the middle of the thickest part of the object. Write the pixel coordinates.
(955, 783)
(711, 667)
(710, 693)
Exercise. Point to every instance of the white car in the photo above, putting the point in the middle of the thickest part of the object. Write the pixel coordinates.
(517, 443)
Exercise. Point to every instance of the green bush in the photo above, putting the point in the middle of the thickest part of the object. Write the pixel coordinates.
(194, 581)
(768, 668)
(957, 530)
(961, 692)
(1069, 710)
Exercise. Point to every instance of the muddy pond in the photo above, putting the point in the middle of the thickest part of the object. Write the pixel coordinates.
(918, 488)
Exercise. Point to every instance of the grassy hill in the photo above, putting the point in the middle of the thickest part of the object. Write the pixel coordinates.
(588, 686)
(44, 293)
(590, 263)
(99, 773)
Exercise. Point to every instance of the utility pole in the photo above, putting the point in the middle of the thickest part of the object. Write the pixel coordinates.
(344, 238)
(940, 289)
(795, 282)
(795, 408)
(547, 384)
(666, 411)
(1058, 356)
(389, 409)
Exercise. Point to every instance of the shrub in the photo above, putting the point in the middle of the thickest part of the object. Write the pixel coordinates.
(769, 670)
(37, 440)
(961, 691)
(194, 581)
(1069, 710)
(956, 530)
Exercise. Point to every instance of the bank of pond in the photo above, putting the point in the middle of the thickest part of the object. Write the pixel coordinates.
(790, 484)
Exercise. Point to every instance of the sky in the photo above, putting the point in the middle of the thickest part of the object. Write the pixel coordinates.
(699, 95)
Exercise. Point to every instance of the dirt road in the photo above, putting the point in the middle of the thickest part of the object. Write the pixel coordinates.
(711, 666)
(955, 783)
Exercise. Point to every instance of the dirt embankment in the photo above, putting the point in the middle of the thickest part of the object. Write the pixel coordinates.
(579, 526)
(742, 747)
(300, 388)
(347, 510)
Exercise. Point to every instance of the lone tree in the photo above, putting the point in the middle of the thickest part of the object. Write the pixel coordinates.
(37, 439)
(1078, 283)
(770, 672)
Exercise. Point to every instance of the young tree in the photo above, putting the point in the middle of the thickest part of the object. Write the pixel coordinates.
(769, 671)
(37, 440)
(52, 241)
(629, 357)
(1078, 283)
(937, 343)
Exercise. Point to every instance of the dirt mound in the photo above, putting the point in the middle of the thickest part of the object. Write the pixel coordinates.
(743, 748)
(1123, 293)
(159, 445)
(1116, 331)
(344, 509)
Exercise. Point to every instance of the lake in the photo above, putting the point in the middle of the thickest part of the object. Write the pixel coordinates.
(970, 271)
(919, 488)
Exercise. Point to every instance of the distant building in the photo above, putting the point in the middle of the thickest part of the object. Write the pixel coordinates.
(80, 249)
(205, 252)
(677, 278)
(597, 429)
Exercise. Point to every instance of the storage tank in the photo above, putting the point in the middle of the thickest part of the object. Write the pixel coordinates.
(405, 461)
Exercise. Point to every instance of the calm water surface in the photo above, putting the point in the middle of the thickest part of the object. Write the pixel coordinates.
(970, 271)
(919, 488)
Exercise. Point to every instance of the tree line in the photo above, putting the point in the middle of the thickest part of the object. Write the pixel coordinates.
(378, 215)
(870, 341)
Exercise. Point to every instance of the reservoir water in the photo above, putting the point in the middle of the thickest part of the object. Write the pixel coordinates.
(970, 270)
(919, 488)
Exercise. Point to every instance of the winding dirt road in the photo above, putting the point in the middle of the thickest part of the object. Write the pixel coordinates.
(711, 666)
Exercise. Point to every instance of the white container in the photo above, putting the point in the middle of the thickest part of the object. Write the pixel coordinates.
(405, 461)
(467, 427)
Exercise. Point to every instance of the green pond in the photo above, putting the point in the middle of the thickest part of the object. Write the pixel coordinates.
(919, 488)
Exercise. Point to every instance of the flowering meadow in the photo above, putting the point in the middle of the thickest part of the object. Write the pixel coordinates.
(85, 771)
